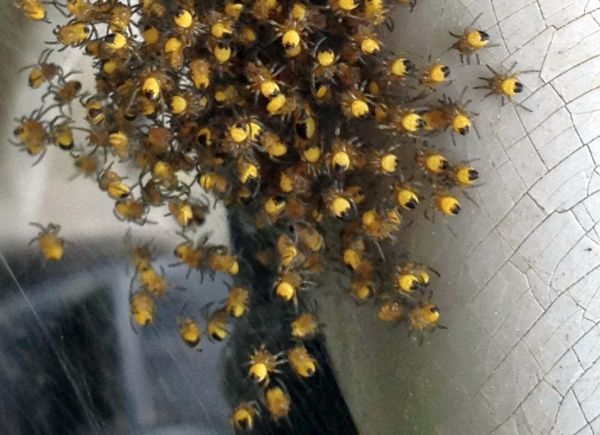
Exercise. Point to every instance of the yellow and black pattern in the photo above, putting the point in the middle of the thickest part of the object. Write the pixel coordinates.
(297, 116)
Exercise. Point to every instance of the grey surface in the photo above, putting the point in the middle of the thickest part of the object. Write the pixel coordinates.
(520, 283)
(157, 375)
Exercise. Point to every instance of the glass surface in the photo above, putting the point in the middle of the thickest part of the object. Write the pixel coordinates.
(518, 286)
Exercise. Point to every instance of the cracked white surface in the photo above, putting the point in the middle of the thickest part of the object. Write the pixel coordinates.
(520, 286)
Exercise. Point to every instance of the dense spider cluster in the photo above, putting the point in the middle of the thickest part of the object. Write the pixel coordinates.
(292, 112)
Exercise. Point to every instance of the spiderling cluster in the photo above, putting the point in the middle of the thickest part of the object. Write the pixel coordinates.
(293, 112)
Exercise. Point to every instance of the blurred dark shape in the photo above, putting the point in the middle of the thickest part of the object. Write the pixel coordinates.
(318, 405)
